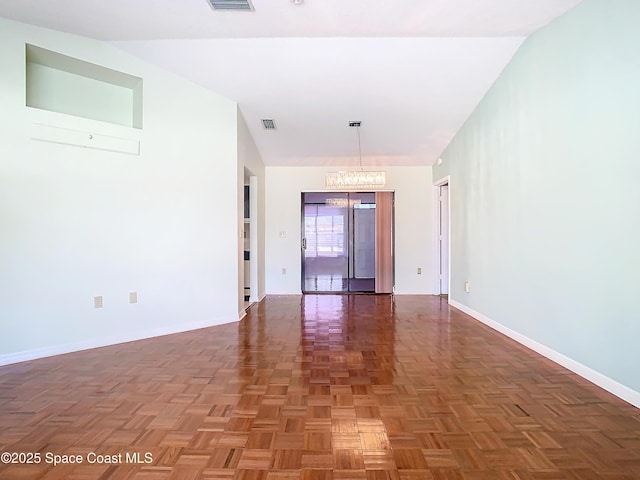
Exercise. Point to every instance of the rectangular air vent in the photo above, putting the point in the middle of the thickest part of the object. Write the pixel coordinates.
(241, 5)
(268, 124)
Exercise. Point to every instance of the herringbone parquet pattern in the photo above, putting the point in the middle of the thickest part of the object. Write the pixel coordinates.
(319, 388)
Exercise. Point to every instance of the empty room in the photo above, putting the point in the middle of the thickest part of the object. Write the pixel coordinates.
(320, 239)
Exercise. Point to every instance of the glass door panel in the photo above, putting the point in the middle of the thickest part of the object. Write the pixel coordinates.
(325, 244)
(363, 253)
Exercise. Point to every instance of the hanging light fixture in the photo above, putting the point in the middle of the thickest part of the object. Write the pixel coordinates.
(359, 179)
(342, 202)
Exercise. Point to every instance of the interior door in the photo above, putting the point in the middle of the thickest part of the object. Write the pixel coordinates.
(384, 243)
(444, 240)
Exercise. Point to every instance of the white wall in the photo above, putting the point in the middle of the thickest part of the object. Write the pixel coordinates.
(545, 199)
(413, 223)
(79, 222)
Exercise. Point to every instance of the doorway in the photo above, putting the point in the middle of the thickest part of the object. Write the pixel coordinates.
(340, 244)
(442, 240)
(250, 252)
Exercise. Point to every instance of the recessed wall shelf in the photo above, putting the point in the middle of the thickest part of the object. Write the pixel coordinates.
(64, 84)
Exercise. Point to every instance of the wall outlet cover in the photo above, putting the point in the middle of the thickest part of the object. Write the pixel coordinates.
(97, 302)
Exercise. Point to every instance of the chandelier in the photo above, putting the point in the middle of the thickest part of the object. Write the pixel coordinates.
(359, 179)
(342, 202)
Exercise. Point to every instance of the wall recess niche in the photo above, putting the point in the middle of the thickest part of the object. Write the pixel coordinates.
(67, 85)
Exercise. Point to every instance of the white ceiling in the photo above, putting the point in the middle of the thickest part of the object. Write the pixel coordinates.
(411, 70)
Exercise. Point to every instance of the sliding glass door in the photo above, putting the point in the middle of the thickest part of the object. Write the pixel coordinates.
(338, 242)
(324, 245)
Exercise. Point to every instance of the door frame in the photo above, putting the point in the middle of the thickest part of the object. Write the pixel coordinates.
(436, 233)
(254, 254)
(302, 237)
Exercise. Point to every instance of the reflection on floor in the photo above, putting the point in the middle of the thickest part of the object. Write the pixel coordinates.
(338, 283)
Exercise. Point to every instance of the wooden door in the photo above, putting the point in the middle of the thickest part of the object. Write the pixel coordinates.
(384, 242)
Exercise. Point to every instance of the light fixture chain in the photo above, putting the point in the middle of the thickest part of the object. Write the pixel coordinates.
(346, 180)
(359, 148)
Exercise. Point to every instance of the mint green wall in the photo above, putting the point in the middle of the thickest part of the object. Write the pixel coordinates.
(545, 192)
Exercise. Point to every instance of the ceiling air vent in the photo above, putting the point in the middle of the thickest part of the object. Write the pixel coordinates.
(241, 5)
(268, 124)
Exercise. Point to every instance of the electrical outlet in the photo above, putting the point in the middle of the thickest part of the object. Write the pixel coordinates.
(133, 297)
(284, 271)
(467, 286)
(419, 271)
(283, 234)
(97, 302)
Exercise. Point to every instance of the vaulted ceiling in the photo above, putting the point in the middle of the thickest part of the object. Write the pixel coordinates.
(411, 71)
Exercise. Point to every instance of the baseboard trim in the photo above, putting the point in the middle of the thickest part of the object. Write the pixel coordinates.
(53, 350)
(610, 385)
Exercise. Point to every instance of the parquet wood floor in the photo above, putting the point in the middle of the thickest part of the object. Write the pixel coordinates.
(318, 388)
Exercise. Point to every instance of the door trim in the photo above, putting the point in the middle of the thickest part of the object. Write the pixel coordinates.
(436, 233)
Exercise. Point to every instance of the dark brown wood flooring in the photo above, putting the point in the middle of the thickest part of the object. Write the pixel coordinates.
(316, 387)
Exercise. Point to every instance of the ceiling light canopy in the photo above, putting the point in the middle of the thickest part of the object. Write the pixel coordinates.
(359, 179)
